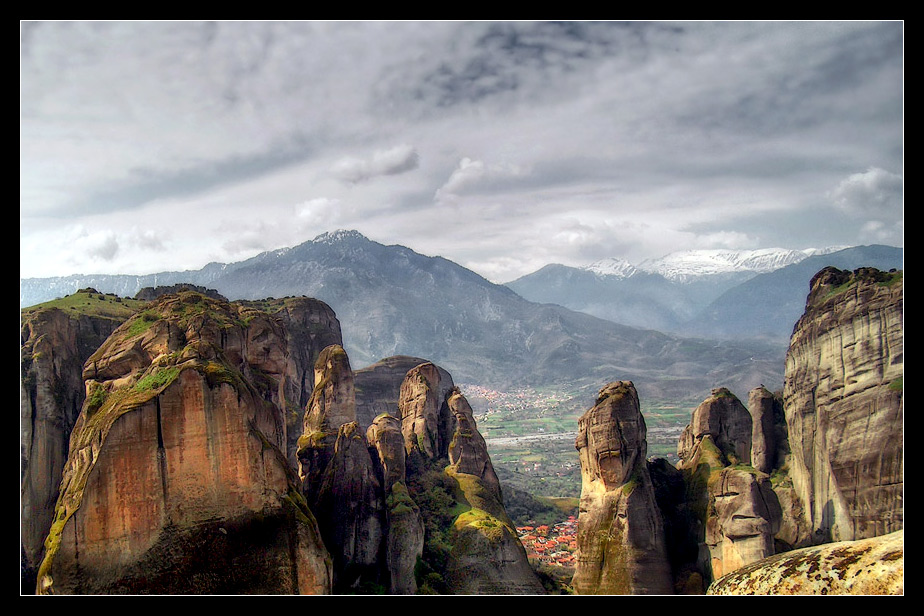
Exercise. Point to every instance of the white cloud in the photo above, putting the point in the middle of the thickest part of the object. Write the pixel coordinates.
(472, 175)
(874, 192)
(393, 161)
(727, 239)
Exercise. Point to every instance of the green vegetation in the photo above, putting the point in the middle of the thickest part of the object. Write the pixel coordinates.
(399, 501)
(882, 279)
(898, 384)
(91, 303)
(96, 399)
(157, 379)
(141, 323)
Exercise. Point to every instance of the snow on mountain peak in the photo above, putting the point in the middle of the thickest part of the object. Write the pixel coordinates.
(337, 236)
(689, 264)
(612, 266)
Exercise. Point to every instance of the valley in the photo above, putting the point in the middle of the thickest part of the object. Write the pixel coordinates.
(530, 434)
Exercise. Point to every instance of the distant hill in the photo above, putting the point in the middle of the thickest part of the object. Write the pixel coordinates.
(394, 301)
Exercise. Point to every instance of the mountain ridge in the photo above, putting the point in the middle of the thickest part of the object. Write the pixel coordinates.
(399, 302)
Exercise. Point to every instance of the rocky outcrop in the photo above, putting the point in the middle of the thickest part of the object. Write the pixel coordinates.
(843, 394)
(176, 480)
(332, 404)
(730, 508)
(350, 509)
(724, 423)
(743, 517)
(149, 294)
(621, 545)
(405, 539)
(378, 386)
(425, 419)
(486, 555)
(339, 480)
(54, 344)
(311, 326)
(468, 452)
(769, 440)
(873, 566)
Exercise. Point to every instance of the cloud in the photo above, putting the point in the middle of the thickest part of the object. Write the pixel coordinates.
(874, 192)
(100, 244)
(394, 161)
(474, 175)
(727, 239)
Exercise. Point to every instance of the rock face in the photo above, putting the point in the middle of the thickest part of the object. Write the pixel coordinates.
(621, 545)
(176, 480)
(423, 418)
(864, 567)
(730, 509)
(769, 441)
(722, 421)
(843, 395)
(378, 386)
(405, 539)
(54, 346)
(311, 326)
(339, 480)
(486, 555)
(350, 509)
(743, 518)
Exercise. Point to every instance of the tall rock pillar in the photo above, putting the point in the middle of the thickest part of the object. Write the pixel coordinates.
(621, 545)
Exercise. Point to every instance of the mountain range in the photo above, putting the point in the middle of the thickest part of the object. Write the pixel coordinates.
(722, 294)
(394, 301)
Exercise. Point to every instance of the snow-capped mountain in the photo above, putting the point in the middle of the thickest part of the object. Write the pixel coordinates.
(687, 265)
(619, 268)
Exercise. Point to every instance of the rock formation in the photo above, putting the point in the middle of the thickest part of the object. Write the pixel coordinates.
(149, 294)
(405, 538)
(621, 545)
(378, 386)
(843, 395)
(769, 441)
(332, 404)
(864, 567)
(176, 480)
(743, 518)
(350, 509)
(729, 507)
(311, 326)
(339, 479)
(722, 423)
(54, 344)
(486, 555)
(424, 418)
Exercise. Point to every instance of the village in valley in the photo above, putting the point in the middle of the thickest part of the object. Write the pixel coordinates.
(553, 545)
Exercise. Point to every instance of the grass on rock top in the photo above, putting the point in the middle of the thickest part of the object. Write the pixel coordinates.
(91, 303)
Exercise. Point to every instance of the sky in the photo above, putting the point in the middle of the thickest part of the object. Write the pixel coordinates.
(503, 146)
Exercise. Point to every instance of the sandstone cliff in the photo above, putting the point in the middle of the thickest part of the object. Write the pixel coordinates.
(55, 341)
(621, 541)
(405, 538)
(486, 555)
(378, 386)
(843, 394)
(873, 566)
(729, 508)
(339, 479)
(176, 480)
(310, 327)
